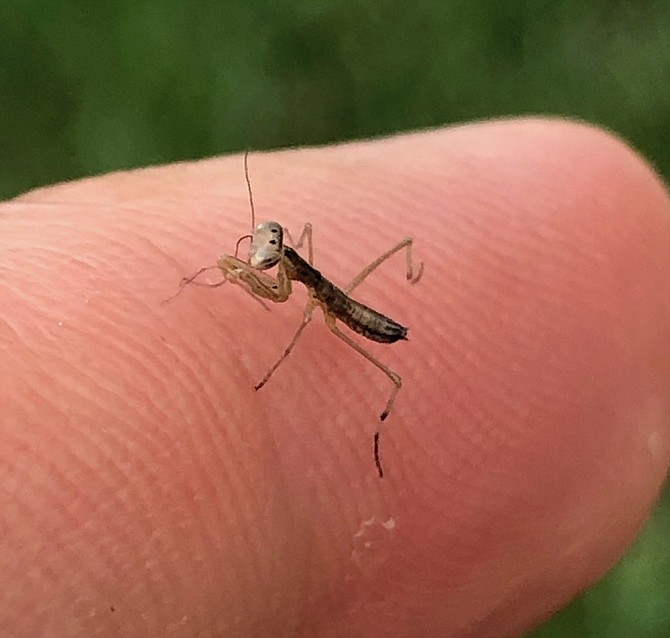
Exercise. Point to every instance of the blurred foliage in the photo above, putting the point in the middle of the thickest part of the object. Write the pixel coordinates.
(90, 87)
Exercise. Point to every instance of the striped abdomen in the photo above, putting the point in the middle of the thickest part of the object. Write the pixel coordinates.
(364, 320)
(359, 317)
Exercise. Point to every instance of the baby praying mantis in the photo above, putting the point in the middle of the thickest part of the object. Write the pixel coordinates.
(268, 249)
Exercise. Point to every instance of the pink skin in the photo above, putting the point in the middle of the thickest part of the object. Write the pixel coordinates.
(146, 490)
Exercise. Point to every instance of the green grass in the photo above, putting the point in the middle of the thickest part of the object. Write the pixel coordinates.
(90, 87)
(130, 82)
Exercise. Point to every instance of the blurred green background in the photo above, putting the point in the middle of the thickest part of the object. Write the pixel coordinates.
(88, 87)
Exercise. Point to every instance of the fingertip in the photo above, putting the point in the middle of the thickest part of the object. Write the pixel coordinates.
(531, 434)
(535, 382)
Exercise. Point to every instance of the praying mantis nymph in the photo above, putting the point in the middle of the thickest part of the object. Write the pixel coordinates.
(268, 250)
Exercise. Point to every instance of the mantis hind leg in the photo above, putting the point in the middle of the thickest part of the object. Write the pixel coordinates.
(411, 277)
(393, 376)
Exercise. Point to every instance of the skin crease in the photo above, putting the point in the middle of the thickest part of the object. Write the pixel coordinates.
(146, 490)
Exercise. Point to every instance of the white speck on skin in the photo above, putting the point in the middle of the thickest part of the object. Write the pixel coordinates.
(657, 444)
(389, 525)
(363, 526)
(370, 532)
(654, 416)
